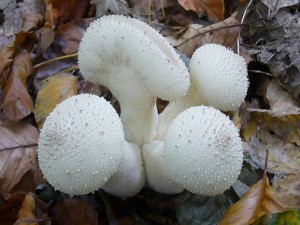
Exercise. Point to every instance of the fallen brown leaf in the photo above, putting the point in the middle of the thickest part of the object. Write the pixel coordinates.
(53, 90)
(224, 33)
(6, 58)
(31, 21)
(75, 212)
(10, 208)
(258, 201)
(16, 102)
(214, 9)
(18, 144)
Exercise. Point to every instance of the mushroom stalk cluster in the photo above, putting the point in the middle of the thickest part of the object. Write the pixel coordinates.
(188, 146)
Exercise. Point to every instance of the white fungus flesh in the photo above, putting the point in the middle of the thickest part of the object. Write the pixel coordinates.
(80, 144)
(130, 177)
(138, 65)
(157, 176)
(203, 151)
(218, 79)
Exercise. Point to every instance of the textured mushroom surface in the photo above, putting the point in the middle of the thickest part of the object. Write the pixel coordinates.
(203, 151)
(130, 177)
(80, 144)
(137, 64)
(220, 76)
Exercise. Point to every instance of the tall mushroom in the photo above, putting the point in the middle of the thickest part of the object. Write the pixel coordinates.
(137, 65)
(82, 148)
(203, 151)
(218, 79)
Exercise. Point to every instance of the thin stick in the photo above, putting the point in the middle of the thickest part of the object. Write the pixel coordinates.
(56, 59)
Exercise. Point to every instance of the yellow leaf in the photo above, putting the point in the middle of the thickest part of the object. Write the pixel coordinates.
(53, 90)
(26, 215)
(258, 201)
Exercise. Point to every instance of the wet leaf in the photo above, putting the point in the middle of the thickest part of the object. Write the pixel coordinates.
(214, 9)
(53, 90)
(27, 213)
(224, 33)
(202, 210)
(287, 189)
(75, 212)
(258, 201)
(18, 144)
(16, 102)
(10, 208)
(286, 218)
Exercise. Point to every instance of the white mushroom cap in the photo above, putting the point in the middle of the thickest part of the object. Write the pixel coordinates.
(130, 177)
(137, 64)
(218, 79)
(203, 151)
(220, 76)
(80, 144)
(157, 176)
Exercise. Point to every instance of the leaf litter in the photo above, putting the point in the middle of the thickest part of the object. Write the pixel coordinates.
(269, 120)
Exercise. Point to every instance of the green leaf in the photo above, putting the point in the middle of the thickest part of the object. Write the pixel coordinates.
(286, 218)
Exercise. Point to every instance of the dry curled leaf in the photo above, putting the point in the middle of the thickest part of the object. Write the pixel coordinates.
(16, 102)
(6, 58)
(224, 33)
(258, 201)
(18, 144)
(214, 9)
(53, 90)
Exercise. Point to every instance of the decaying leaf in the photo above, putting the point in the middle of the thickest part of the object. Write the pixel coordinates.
(75, 212)
(281, 102)
(291, 217)
(18, 144)
(202, 210)
(213, 9)
(31, 21)
(287, 189)
(6, 58)
(10, 208)
(259, 200)
(224, 33)
(53, 90)
(16, 102)
(275, 5)
(280, 135)
(104, 7)
(27, 213)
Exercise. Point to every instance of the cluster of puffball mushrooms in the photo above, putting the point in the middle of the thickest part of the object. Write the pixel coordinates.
(85, 145)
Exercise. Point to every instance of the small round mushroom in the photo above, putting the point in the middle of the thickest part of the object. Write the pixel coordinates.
(80, 144)
(203, 151)
(218, 79)
(157, 176)
(130, 177)
(138, 65)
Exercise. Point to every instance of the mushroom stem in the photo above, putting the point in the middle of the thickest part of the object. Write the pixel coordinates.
(130, 177)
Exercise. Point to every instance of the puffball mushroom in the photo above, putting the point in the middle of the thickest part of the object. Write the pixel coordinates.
(137, 65)
(157, 177)
(203, 151)
(218, 79)
(130, 177)
(80, 144)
